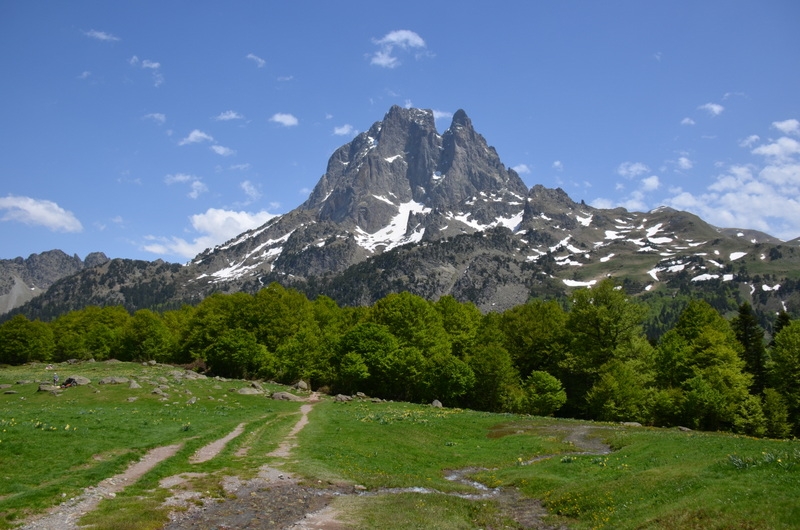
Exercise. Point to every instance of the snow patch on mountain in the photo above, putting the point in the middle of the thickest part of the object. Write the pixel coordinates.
(395, 233)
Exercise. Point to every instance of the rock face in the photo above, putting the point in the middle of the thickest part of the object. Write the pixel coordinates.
(399, 182)
(23, 279)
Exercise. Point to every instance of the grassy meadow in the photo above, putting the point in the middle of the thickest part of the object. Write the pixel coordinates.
(400, 454)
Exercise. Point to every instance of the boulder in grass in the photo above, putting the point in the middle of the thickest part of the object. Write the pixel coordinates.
(341, 398)
(80, 380)
(249, 391)
(286, 396)
(436, 404)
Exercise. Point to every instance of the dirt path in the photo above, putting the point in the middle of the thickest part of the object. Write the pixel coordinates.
(277, 500)
(204, 454)
(65, 516)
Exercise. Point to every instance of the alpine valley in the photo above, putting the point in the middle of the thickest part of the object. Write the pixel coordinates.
(404, 208)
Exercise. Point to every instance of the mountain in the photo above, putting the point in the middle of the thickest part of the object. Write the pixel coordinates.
(23, 279)
(402, 207)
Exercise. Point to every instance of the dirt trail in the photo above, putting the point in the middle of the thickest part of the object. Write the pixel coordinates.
(65, 516)
(204, 454)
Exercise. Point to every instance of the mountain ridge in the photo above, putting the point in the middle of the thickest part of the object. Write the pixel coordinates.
(402, 207)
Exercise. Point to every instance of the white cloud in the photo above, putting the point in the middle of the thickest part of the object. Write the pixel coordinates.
(403, 39)
(714, 109)
(687, 121)
(156, 117)
(223, 151)
(558, 165)
(782, 149)
(178, 177)
(158, 77)
(228, 115)
(787, 126)
(749, 141)
(651, 183)
(37, 212)
(240, 167)
(250, 190)
(196, 189)
(286, 120)
(196, 136)
(86, 74)
(256, 59)
(441, 114)
(684, 163)
(521, 169)
(762, 197)
(632, 169)
(214, 227)
(344, 130)
(101, 35)
(196, 185)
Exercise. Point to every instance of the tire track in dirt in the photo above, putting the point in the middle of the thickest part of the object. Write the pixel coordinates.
(65, 516)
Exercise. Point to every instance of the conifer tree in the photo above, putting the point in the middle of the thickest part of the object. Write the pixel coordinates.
(751, 336)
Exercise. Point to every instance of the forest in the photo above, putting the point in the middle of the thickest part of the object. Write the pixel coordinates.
(587, 357)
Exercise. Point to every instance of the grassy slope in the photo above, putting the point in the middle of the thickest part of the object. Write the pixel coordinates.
(655, 479)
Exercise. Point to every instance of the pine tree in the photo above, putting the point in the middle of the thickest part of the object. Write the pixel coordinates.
(751, 336)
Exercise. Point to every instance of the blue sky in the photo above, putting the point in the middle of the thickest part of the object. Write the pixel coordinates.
(157, 129)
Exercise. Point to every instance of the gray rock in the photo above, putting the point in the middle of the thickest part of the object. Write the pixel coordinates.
(4, 385)
(191, 401)
(113, 380)
(249, 391)
(134, 385)
(44, 387)
(286, 396)
(436, 404)
(631, 424)
(10, 392)
(257, 385)
(132, 399)
(301, 385)
(341, 398)
(80, 380)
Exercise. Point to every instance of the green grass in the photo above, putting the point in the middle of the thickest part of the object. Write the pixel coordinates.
(52, 448)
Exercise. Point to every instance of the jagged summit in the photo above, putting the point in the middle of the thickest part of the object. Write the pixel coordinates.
(402, 207)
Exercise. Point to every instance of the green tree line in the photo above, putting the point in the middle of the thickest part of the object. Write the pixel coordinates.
(589, 358)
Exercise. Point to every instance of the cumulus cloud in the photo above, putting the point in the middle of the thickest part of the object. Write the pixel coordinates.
(782, 149)
(684, 163)
(223, 151)
(213, 228)
(787, 126)
(714, 109)
(441, 114)
(38, 212)
(762, 196)
(196, 136)
(256, 59)
(632, 169)
(228, 115)
(101, 35)
(651, 183)
(749, 141)
(344, 130)
(286, 120)
(196, 185)
(687, 121)
(558, 165)
(522, 169)
(402, 39)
